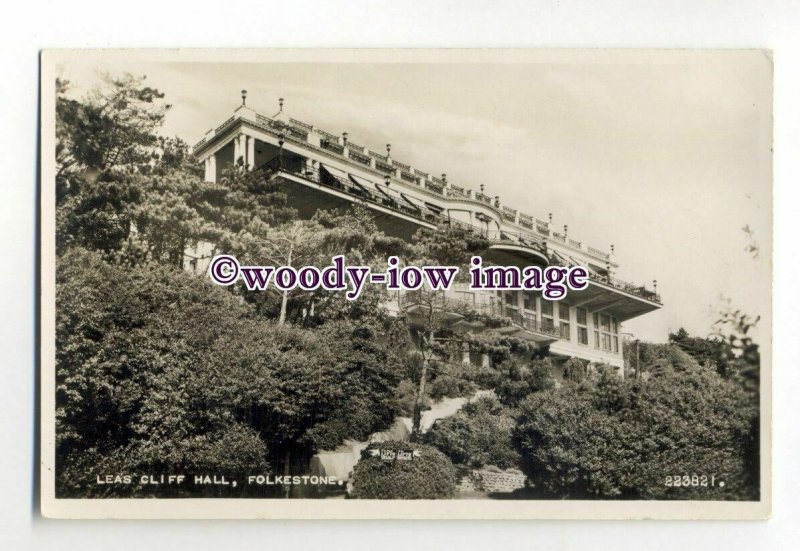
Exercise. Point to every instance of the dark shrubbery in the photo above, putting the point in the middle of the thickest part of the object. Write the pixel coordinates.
(521, 380)
(431, 475)
(574, 370)
(479, 434)
(620, 439)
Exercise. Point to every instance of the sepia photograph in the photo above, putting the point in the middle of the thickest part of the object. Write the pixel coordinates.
(406, 283)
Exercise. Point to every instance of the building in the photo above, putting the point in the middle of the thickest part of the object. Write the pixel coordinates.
(319, 169)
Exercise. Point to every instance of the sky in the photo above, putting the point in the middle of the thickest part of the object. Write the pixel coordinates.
(665, 154)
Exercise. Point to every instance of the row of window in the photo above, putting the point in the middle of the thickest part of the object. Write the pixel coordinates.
(605, 328)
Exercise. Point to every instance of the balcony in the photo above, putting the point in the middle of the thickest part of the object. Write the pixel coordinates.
(458, 311)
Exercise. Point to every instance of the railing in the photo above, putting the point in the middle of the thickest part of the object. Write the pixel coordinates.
(359, 158)
(598, 252)
(331, 146)
(434, 188)
(638, 290)
(224, 124)
(301, 123)
(441, 302)
(408, 177)
(483, 198)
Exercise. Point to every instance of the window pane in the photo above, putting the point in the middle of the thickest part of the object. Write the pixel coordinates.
(596, 339)
(583, 335)
(614, 326)
(580, 313)
(596, 319)
(547, 307)
(530, 301)
(606, 341)
(563, 311)
(616, 344)
(511, 299)
(605, 322)
(565, 331)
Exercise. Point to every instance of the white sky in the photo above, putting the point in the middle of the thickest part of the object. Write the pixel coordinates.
(666, 155)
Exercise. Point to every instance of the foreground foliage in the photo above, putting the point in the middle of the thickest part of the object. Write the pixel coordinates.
(617, 438)
(430, 475)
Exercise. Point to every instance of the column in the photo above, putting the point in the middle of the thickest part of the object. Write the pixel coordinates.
(207, 164)
(251, 152)
(212, 164)
(237, 150)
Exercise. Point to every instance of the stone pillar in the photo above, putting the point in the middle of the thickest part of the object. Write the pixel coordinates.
(251, 152)
(237, 150)
(465, 354)
(243, 148)
(211, 169)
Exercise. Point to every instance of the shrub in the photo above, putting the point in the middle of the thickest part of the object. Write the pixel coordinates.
(574, 370)
(620, 438)
(431, 475)
(478, 434)
(523, 380)
(445, 386)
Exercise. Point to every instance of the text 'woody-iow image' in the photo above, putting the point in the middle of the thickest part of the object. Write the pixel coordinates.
(406, 284)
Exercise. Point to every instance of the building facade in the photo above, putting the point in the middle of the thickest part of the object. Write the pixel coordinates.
(322, 170)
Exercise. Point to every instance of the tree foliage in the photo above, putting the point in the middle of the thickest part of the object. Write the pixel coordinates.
(620, 439)
(430, 475)
(479, 434)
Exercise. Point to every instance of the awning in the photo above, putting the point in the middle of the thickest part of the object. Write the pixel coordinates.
(339, 175)
(435, 208)
(417, 206)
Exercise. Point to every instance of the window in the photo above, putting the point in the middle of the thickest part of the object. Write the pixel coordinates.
(564, 330)
(547, 314)
(583, 331)
(466, 297)
(606, 341)
(563, 311)
(616, 345)
(530, 301)
(511, 299)
(596, 339)
(596, 319)
(605, 323)
(614, 326)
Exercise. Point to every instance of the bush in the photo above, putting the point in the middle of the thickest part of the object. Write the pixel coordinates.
(523, 380)
(445, 386)
(478, 434)
(574, 370)
(621, 438)
(431, 475)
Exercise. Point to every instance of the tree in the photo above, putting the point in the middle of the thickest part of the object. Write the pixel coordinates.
(159, 371)
(712, 351)
(136, 390)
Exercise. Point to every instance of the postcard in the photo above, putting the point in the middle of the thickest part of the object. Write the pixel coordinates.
(406, 284)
